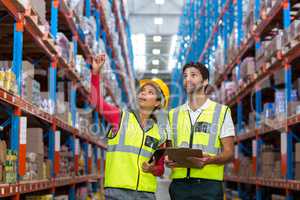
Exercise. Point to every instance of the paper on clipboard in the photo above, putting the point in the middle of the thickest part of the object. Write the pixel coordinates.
(180, 155)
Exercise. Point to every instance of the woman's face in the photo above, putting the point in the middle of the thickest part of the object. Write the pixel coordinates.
(148, 97)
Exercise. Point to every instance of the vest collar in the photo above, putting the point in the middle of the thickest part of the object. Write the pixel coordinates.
(207, 103)
(150, 122)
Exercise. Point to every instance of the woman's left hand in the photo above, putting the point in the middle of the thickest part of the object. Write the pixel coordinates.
(148, 168)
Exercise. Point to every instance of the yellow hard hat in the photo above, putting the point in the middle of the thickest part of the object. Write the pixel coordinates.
(162, 86)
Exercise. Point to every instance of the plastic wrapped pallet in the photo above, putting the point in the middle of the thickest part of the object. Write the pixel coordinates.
(76, 5)
(63, 46)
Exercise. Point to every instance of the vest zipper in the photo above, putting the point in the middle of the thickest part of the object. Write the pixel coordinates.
(138, 162)
(188, 173)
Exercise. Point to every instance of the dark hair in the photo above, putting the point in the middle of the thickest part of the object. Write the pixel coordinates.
(201, 67)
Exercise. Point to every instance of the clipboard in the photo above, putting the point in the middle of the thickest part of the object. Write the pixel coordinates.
(180, 156)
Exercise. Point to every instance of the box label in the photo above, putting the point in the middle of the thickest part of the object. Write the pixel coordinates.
(57, 140)
(23, 130)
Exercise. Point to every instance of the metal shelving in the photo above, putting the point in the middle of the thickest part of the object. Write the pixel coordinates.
(202, 48)
(32, 42)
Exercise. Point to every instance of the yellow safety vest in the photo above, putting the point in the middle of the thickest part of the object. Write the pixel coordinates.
(126, 153)
(204, 135)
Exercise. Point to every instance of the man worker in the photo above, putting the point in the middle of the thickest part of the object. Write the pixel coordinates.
(203, 124)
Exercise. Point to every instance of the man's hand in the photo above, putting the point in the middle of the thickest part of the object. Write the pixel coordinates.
(170, 163)
(201, 162)
(148, 168)
(98, 62)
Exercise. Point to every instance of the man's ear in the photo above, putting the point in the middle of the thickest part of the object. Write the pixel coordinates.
(205, 82)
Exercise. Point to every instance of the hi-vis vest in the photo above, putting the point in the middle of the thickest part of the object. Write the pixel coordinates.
(204, 135)
(126, 153)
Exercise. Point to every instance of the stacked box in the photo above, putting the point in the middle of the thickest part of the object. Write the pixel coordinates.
(248, 68)
(270, 162)
(278, 197)
(297, 161)
(66, 162)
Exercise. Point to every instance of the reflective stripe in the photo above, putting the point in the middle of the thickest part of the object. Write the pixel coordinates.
(184, 144)
(210, 148)
(174, 125)
(129, 149)
(124, 128)
(163, 137)
(214, 131)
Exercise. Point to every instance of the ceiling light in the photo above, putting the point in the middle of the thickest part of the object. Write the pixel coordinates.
(160, 2)
(157, 38)
(155, 51)
(155, 62)
(154, 71)
(158, 20)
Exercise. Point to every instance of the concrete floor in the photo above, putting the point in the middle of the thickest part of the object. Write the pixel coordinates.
(163, 186)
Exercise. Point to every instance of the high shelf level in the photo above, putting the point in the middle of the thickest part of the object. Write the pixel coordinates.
(50, 145)
(252, 49)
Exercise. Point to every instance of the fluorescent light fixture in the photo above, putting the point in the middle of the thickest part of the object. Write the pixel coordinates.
(172, 61)
(158, 20)
(155, 51)
(139, 50)
(155, 62)
(154, 71)
(160, 2)
(157, 38)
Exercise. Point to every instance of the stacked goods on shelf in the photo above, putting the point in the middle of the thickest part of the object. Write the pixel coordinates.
(231, 194)
(247, 70)
(46, 197)
(76, 5)
(7, 77)
(66, 168)
(297, 161)
(62, 105)
(39, 197)
(270, 162)
(278, 197)
(245, 168)
(35, 163)
(8, 164)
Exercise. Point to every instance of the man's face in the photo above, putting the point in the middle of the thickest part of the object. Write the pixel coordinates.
(193, 81)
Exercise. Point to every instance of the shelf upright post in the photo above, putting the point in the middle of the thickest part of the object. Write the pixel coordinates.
(71, 143)
(85, 150)
(73, 103)
(52, 90)
(256, 145)
(257, 10)
(87, 8)
(225, 31)
(15, 143)
(287, 138)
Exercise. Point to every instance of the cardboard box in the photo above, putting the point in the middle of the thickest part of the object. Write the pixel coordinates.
(292, 107)
(268, 158)
(278, 197)
(27, 70)
(297, 171)
(3, 148)
(297, 152)
(35, 143)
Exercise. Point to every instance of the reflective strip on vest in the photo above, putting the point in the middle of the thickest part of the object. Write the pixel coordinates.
(121, 147)
(210, 148)
(174, 125)
(129, 149)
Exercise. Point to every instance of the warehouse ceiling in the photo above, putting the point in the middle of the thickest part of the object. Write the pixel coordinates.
(154, 24)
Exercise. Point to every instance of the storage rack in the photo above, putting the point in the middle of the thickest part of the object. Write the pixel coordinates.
(200, 46)
(31, 42)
